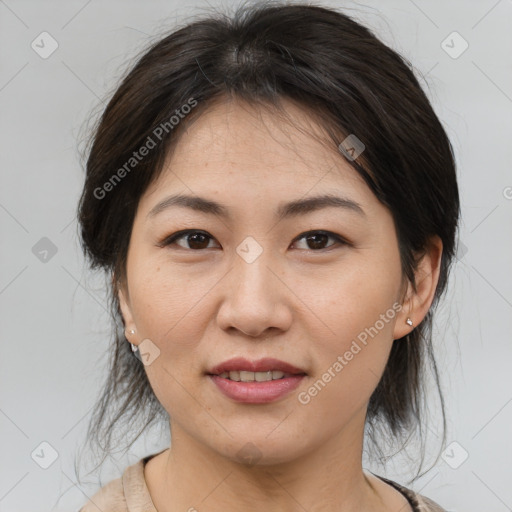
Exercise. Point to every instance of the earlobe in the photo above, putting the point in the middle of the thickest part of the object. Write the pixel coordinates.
(126, 312)
(418, 301)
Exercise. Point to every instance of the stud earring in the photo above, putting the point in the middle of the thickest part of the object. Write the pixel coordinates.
(408, 321)
(134, 347)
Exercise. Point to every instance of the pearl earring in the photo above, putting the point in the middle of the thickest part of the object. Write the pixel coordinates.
(134, 347)
(408, 321)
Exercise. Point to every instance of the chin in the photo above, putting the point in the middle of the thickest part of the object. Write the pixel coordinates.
(256, 451)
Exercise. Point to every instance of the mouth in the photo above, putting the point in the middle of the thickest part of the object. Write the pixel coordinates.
(247, 376)
(240, 369)
(256, 382)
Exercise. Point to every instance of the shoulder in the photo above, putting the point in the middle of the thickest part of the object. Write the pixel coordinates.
(110, 497)
(418, 502)
(129, 493)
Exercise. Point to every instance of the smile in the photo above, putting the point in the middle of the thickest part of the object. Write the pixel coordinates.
(245, 376)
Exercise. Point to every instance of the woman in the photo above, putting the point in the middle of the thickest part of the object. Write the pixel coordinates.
(276, 203)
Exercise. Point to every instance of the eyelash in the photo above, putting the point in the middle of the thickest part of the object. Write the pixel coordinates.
(170, 240)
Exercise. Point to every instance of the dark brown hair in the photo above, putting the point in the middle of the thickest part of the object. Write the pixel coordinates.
(333, 67)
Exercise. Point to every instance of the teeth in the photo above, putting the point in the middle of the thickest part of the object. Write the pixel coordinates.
(253, 376)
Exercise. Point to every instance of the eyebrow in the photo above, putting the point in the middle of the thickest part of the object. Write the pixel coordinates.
(284, 210)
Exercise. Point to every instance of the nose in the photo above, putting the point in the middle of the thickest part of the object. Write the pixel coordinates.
(255, 299)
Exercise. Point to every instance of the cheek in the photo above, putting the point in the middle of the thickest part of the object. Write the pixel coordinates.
(356, 313)
(347, 300)
(168, 305)
(349, 363)
(168, 310)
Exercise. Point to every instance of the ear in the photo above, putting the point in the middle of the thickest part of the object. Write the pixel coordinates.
(417, 302)
(124, 304)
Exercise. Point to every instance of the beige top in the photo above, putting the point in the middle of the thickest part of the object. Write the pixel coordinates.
(129, 493)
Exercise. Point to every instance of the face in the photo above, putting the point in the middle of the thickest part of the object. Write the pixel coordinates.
(318, 287)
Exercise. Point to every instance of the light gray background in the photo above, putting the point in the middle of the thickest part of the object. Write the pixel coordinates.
(54, 326)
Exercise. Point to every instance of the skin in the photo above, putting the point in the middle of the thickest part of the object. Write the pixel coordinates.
(295, 302)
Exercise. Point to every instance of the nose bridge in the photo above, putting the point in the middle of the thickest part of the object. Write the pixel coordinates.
(251, 273)
(253, 297)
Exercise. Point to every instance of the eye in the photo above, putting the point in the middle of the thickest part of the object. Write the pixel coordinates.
(198, 240)
(317, 239)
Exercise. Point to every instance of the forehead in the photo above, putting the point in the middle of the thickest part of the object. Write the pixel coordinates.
(242, 150)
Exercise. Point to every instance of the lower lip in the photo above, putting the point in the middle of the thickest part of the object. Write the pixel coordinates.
(257, 392)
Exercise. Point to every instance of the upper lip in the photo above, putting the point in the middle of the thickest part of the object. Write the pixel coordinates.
(261, 365)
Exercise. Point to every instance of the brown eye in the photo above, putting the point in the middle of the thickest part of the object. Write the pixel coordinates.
(196, 240)
(317, 240)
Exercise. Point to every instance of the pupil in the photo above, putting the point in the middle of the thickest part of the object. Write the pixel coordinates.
(315, 236)
(194, 239)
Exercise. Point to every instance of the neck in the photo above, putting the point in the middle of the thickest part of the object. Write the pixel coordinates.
(329, 478)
